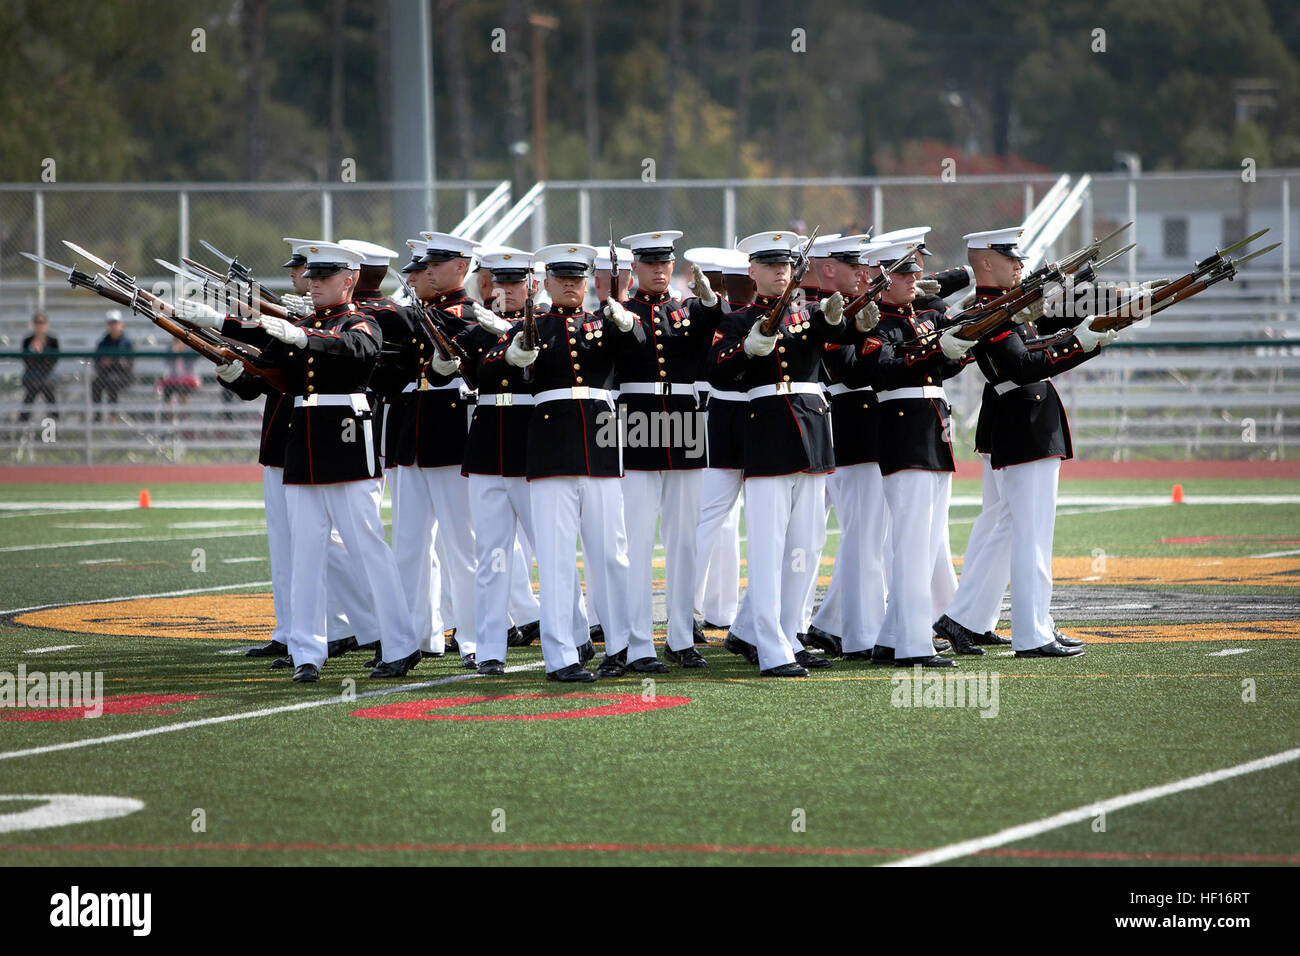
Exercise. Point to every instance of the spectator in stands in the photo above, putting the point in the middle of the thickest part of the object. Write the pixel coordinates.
(180, 379)
(114, 368)
(40, 355)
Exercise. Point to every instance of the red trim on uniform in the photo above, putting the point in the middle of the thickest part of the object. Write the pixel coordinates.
(311, 471)
(999, 338)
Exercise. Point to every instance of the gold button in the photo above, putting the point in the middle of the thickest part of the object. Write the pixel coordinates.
(546, 415)
(661, 360)
(785, 378)
(780, 348)
(310, 374)
(578, 380)
(900, 414)
(505, 381)
(784, 364)
(576, 366)
(311, 359)
(573, 352)
(659, 345)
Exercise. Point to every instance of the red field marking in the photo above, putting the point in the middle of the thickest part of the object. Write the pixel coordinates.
(113, 706)
(1202, 539)
(624, 848)
(419, 709)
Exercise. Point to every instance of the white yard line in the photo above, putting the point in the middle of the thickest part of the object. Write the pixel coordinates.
(135, 597)
(1229, 651)
(1025, 831)
(263, 712)
(142, 540)
(1278, 554)
(49, 650)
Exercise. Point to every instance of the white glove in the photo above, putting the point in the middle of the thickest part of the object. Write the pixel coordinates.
(198, 313)
(490, 321)
(620, 316)
(298, 305)
(230, 371)
(868, 318)
(699, 284)
(758, 344)
(517, 355)
(927, 287)
(1089, 338)
(833, 309)
(954, 347)
(442, 366)
(283, 330)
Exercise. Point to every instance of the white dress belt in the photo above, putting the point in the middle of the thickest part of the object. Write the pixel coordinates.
(1003, 387)
(718, 395)
(578, 392)
(505, 398)
(657, 388)
(923, 391)
(784, 388)
(357, 401)
(841, 389)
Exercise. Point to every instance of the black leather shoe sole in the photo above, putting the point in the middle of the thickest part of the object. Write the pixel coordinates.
(573, 674)
(1053, 649)
(935, 661)
(648, 665)
(306, 674)
(1065, 640)
(492, 668)
(689, 657)
(785, 670)
(397, 668)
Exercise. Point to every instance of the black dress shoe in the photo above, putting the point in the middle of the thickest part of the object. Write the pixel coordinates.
(697, 632)
(524, 634)
(306, 674)
(648, 665)
(689, 657)
(940, 645)
(963, 639)
(396, 668)
(340, 647)
(281, 662)
(1051, 649)
(811, 660)
(882, 655)
(785, 670)
(992, 639)
(372, 646)
(710, 626)
(573, 674)
(273, 649)
(424, 654)
(469, 662)
(935, 661)
(596, 634)
(857, 655)
(375, 661)
(1066, 641)
(586, 652)
(823, 641)
(450, 642)
(737, 646)
(613, 665)
(492, 668)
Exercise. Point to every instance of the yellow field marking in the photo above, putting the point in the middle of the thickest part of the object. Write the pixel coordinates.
(234, 617)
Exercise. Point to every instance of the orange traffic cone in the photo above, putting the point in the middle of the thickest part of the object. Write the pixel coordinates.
(1178, 494)
(144, 497)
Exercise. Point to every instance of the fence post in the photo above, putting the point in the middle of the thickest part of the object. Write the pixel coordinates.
(471, 200)
(327, 215)
(877, 210)
(40, 248)
(584, 216)
(1029, 200)
(1286, 239)
(183, 218)
(728, 217)
(1133, 215)
(539, 220)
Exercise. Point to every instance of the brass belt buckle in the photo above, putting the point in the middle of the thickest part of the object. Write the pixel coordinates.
(505, 398)
(581, 391)
(784, 388)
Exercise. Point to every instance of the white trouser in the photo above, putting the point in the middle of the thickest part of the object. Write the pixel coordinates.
(352, 507)
(1031, 488)
(593, 508)
(918, 515)
(854, 606)
(781, 516)
(823, 520)
(431, 526)
(986, 568)
(717, 545)
(524, 606)
(674, 498)
(342, 591)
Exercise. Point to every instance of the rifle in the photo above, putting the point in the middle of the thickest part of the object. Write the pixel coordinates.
(198, 272)
(238, 272)
(772, 321)
(119, 288)
(1207, 272)
(614, 291)
(530, 327)
(879, 285)
(445, 345)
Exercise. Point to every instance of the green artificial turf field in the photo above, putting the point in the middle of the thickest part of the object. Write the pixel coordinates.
(1190, 612)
